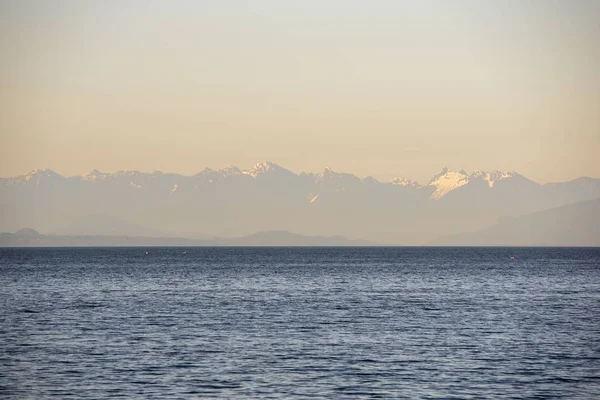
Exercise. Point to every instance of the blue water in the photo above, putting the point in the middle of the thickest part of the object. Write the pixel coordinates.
(300, 323)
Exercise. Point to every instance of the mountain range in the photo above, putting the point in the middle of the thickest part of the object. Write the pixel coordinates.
(232, 202)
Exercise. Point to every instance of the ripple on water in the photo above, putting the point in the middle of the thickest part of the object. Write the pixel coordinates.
(300, 323)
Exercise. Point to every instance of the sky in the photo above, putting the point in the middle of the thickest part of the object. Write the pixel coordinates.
(380, 88)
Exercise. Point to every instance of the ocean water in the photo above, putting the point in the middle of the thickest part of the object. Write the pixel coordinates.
(300, 323)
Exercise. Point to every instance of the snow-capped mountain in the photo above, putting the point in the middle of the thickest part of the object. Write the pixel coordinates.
(35, 177)
(447, 181)
(94, 175)
(235, 202)
(266, 167)
(404, 182)
(492, 177)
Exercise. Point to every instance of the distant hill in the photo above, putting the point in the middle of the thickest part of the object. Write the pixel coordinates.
(105, 225)
(31, 238)
(573, 225)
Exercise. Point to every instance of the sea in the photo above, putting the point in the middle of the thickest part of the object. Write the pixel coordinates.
(279, 323)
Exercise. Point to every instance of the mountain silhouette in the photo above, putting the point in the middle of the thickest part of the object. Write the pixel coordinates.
(572, 225)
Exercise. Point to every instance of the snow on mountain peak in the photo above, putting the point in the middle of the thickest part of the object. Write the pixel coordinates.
(39, 174)
(446, 181)
(328, 172)
(127, 173)
(267, 165)
(330, 175)
(492, 177)
(403, 182)
(230, 170)
(261, 168)
(94, 175)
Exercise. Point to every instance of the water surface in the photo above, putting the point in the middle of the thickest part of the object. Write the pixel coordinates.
(300, 323)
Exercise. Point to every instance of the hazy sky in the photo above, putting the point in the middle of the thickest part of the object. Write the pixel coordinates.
(379, 88)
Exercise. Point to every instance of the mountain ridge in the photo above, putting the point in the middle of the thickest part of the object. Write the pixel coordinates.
(491, 176)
